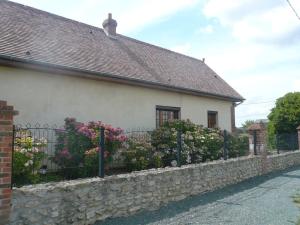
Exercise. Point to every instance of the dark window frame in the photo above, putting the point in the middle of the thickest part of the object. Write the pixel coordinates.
(210, 112)
(159, 109)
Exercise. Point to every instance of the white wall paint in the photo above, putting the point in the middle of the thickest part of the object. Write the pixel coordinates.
(48, 98)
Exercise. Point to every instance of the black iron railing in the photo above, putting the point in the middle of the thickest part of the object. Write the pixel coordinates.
(44, 153)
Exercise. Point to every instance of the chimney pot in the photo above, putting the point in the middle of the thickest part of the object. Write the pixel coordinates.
(110, 26)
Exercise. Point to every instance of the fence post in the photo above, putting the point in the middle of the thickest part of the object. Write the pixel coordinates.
(179, 147)
(101, 152)
(225, 152)
(276, 143)
(255, 141)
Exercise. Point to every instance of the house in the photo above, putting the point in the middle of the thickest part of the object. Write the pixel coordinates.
(53, 67)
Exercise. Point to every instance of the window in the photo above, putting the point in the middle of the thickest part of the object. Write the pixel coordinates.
(165, 113)
(212, 119)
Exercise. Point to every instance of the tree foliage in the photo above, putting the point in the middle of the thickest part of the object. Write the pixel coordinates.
(285, 116)
(247, 123)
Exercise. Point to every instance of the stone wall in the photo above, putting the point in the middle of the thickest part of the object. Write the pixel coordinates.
(87, 200)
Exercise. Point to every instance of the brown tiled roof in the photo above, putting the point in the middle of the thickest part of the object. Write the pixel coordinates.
(37, 36)
(256, 126)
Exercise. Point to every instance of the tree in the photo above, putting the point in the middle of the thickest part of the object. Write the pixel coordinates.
(247, 123)
(285, 116)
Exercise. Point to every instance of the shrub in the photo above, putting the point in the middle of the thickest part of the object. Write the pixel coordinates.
(91, 162)
(78, 146)
(199, 144)
(27, 157)
(208, 143)
(238, 145)
(114, 137)
(71, 145)
(164, 141)
(140, 155)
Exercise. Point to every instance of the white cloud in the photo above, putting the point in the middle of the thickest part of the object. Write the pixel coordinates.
(296, 85)
(263, 88)
(262, 61)
(184, 48)
(208, 29)
(131, 15)
(145, 12)
(239, 58)
(231, 59)
(274, 25)
(256, 20)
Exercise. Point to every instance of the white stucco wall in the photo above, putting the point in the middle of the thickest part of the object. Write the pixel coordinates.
(48, 98)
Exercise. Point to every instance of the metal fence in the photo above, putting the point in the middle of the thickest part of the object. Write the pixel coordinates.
(117, 165)
(38, 153)
(286, 142)
(232, 145)
(35, 156)
(37, 137)
(33, 151)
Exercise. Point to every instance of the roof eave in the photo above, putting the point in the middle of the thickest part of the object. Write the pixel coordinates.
(43, 66)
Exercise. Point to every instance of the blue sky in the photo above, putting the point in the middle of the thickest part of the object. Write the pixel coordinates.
(253, 44)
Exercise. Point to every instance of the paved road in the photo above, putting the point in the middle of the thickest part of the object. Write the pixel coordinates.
(264, 200)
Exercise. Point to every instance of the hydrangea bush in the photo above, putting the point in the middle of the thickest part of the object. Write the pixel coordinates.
(139, 154)
(27, 156)
(78, 146)
(199, 144)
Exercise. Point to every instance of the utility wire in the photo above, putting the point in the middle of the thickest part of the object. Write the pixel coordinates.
(288, 1)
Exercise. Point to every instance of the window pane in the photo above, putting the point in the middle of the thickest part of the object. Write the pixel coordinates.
(212, 119)
(157, 118)
(176, 115)
(164, 115)
(161, 118)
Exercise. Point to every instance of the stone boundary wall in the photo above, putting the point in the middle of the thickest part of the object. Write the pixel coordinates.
(87, 200)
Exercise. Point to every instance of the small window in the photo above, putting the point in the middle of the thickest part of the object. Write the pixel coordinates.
(165, 113)
(212, 119)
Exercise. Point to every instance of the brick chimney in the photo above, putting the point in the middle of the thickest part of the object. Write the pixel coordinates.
(110, 25)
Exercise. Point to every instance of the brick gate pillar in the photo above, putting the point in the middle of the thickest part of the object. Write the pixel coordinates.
(261, 141)
(6, 139)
